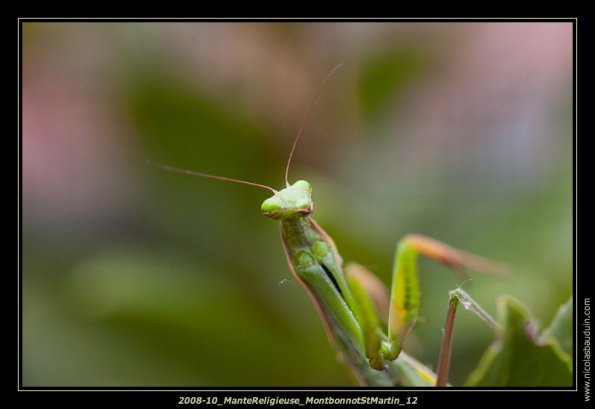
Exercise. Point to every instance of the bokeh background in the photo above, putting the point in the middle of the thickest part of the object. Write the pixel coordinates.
(133, 276)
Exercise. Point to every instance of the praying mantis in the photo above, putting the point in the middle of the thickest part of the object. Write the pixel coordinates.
(366, 325)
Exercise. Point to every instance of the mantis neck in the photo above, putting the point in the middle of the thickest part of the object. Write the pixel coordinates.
(297, 231)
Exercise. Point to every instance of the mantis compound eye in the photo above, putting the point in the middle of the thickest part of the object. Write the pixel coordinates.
(270, 205)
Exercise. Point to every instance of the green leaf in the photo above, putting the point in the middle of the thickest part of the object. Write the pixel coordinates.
(519, 356)
(561, 327)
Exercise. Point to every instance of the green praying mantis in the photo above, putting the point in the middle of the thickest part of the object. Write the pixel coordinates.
(366, 325)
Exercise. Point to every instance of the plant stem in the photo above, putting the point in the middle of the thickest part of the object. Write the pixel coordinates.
(445, 349)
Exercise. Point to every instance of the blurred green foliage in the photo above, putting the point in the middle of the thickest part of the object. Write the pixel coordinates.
(385, 77)
(184, 283)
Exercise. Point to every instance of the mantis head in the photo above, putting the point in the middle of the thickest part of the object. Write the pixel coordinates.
(294, 200)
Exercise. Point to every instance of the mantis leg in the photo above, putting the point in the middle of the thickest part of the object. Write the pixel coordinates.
(373, 307)
(372, 296)
(405, 295)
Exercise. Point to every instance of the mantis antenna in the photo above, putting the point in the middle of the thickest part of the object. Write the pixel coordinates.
(244, 182)
(306, 115)
(206, 175)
